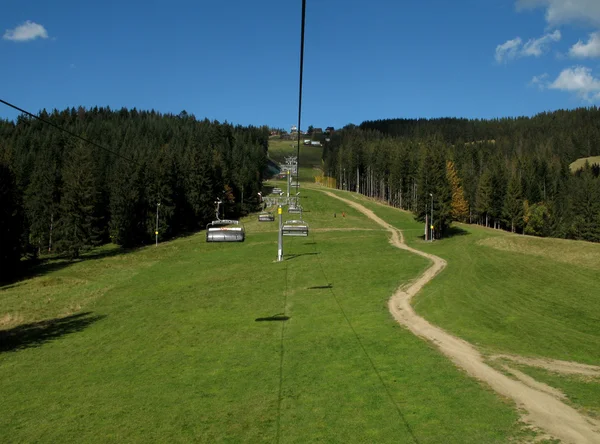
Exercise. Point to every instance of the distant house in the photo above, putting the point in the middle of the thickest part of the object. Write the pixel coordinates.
(317, 130)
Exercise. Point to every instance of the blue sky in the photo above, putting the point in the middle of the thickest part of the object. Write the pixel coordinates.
(238, 60)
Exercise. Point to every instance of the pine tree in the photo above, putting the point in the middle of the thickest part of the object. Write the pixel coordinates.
(79, 195)
(42, 199)
(512, 211)
(128, 205)
(460, 207)
(484, 196)
(199, 187)
(586, 206)
(11, 222)
(434, 186)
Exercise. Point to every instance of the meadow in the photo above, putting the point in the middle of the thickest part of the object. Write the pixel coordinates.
(511, 294)
(190, 341)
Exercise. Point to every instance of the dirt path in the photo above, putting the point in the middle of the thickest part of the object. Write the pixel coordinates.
(543, 410)
(554, 365)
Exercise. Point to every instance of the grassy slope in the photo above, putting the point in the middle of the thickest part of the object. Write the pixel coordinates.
(171, 351)
(309, 155)
(515, 294)
(579, 163)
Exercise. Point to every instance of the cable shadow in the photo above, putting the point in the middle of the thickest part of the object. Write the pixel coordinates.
(37, 333)
(310, 243)
(294, 256)
(278, 317)
(320, 287)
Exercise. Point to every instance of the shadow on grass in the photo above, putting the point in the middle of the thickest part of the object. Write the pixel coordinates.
(451, 232)
(294, 256)
(320, 287)
(37, 333)
(40, 267)
(456, 231)
(275, 318)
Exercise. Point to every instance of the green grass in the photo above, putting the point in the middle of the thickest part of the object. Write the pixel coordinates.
(310, 156)
(579, 163)
(167, 347)
(510, 293)
(581, 391)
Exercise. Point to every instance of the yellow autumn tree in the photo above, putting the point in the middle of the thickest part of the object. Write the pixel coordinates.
(460, 207)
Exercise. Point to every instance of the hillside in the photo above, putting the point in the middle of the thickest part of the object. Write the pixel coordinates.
(580, 163)
(172, 342)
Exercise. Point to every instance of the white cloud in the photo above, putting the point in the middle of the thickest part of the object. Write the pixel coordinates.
(508, 50)
(26, 32)
(578, 80)
(566, 11)
(540, 81)
(514, 48)
(589, 49)
(536, 47)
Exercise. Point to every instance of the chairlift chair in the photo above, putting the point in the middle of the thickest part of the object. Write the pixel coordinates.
(295, 228)
(224, 230)
(295, 209)
(266, 216)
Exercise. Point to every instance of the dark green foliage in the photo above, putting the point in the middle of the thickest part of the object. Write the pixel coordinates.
(179, 161)
(128, 204)
(11, 222)
(586, 205)
(484, 198)
(512, 211)
(76, 227)
(514, 171)
(42, 199)
(434, 188)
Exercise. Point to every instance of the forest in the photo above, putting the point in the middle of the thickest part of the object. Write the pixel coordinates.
(61, 195)
(510, 173)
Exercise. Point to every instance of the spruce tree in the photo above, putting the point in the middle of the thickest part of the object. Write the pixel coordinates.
(42, 199)
(128, 205)
(11, 222)
(512, 210)
(586, 206)
(76, 224)
(483, 203)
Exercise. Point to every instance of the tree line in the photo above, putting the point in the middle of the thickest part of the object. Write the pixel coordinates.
(510, 174)
(59, 194)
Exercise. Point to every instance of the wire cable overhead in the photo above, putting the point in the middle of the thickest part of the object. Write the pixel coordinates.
(300, 89)
(77, 136)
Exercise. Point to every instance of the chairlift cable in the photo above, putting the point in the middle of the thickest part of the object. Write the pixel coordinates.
(77, 136)
(360, 343)
(300, 88)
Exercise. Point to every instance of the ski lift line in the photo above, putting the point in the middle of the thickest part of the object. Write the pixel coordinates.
(281, 354)
(68, 132)
(360, 343)
(300, 88)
